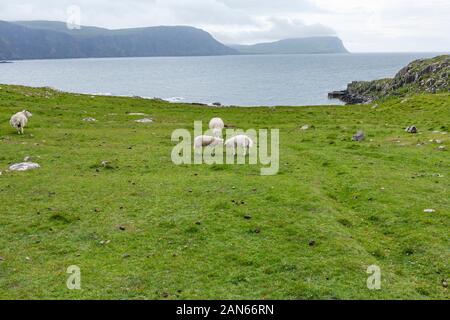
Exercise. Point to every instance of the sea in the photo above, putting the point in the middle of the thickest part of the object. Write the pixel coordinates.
(241, 80)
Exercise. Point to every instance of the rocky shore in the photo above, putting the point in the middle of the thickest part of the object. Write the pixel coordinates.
(420, 76)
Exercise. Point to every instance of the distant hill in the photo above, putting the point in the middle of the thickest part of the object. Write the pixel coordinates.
(295, 46)
(52, 40)
(420, 76)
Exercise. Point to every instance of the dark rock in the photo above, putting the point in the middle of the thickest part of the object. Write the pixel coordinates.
(359, 136)
(247, 217)
(312, 243)
(412, 129)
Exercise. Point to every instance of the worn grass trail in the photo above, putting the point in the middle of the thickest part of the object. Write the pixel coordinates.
(144, 228)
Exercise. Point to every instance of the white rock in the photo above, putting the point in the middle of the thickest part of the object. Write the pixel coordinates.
(305, 127)
(136, 114)
(429, 210)
(145, 120)
(90, 119)
(24, 166)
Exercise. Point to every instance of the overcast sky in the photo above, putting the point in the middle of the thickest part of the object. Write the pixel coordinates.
(363, 25)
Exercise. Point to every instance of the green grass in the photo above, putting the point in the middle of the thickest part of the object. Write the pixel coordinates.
(180, 232)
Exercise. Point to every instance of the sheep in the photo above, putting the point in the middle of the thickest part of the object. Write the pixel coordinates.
(216, 123)
(217, 132)
(205, 141)
(239, 141)
(20, 120)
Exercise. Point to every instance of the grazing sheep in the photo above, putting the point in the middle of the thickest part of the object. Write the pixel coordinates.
(216, 123)
(205, 141)
(217, 132)
(20, 120)
(239, 141)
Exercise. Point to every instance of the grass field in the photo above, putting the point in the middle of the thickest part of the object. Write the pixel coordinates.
(144, 228)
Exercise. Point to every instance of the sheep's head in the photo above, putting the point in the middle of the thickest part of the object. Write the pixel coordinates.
(27, 114)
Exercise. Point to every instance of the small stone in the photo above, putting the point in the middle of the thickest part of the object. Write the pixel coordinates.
(24, 166)
(412, 129)
(27, 258)
(247, 217)
(90, 119)
(125, 255)
(312, 243)
(2, 259)
(359, 136)
(429, 210)
(136, 114)
(441, 148)
(305, 127)
(122, 228)
(445, 283)
(257, 230)
(145, 120)
(198, 223)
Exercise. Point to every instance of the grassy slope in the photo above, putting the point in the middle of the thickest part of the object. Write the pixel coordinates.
(329, 189)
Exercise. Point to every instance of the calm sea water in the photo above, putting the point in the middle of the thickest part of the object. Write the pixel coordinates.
(249, 80)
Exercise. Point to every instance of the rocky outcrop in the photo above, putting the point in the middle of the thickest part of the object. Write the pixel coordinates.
(420, 76)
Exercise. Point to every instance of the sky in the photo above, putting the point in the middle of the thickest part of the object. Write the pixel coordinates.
(363, 25)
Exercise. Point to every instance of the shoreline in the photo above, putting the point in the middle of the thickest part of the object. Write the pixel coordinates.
(195, 104)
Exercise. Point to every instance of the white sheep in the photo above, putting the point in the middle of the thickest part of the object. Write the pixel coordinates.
(217, 132)
(216, 123)
(20, 120)
(207, 141)
(239, 141)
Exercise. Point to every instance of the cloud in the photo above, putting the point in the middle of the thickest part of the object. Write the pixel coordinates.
(271, 29)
